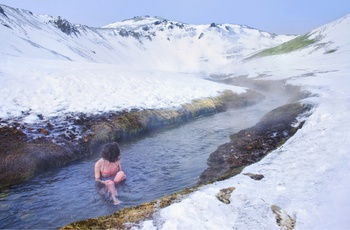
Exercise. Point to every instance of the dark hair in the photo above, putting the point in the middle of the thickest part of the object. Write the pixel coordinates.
(111, 152)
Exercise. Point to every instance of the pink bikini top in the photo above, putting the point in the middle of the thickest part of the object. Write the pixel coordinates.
(110, 173)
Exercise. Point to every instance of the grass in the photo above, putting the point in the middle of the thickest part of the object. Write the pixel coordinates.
(297, 43)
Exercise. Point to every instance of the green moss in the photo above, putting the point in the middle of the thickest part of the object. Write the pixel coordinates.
(297, 43)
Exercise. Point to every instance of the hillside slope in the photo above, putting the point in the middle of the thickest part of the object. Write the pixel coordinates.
(141, 42)
(305, 54)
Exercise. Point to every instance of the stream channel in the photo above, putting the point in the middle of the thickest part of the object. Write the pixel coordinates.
(158, 164)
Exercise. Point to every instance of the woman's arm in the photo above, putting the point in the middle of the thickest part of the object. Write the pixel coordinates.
(120, 166)
(97, 170)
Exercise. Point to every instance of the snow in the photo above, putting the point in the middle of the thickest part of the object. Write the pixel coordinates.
(135, 22)
(307, 177)
(53, 88)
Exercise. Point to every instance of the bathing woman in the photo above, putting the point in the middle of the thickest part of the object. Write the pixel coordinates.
(108, 170)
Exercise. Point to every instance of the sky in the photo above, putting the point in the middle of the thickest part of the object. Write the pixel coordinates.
(275, 16)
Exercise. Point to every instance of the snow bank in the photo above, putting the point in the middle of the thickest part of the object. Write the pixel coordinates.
(53, 88)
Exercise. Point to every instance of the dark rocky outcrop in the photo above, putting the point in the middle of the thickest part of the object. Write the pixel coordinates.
(250, 145)
(22, 157)
(201, 35)
(65, 26)
(126, 33)
(213, 24)
(2, 11)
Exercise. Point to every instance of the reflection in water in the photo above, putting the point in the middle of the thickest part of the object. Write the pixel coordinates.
(159, 164)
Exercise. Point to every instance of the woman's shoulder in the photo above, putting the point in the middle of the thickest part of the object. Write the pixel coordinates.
(99, 162)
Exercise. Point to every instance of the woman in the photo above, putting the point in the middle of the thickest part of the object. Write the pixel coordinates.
(108, 170)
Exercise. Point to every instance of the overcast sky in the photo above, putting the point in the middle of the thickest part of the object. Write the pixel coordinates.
(275, 16)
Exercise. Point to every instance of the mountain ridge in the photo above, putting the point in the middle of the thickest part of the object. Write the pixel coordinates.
(153, 43)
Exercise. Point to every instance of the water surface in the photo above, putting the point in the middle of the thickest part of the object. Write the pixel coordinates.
(156, 165)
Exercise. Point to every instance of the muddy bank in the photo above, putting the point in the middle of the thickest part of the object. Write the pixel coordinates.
(250, 145)
(26, 151)
(246, 147)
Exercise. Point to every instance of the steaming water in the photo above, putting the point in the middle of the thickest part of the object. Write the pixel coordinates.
(159, 164)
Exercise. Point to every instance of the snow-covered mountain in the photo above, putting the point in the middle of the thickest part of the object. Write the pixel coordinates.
(141, 42)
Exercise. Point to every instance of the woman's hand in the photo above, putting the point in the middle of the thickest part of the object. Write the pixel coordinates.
(100, 181)
(108, 182)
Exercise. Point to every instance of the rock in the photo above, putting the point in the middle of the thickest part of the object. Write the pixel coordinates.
(65, 26)
(275, 209)
(44, 131)
(225, 194)
(254, 176)
(2, 11)
(213, 24)
(201, 35)
(283, 220)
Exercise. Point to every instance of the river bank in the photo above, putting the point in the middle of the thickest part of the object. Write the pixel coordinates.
(27, 151)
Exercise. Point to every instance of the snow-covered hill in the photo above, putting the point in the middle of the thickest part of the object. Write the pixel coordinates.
(141, 42)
